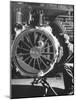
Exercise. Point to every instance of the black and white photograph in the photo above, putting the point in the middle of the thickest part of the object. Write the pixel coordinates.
(41, 49)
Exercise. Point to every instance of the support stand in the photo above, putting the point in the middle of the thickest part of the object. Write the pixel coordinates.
(45, 85)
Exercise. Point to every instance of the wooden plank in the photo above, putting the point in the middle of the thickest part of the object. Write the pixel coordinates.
(57, 82)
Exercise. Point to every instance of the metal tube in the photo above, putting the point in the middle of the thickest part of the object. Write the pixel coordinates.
(41, 18)
(19, 16)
